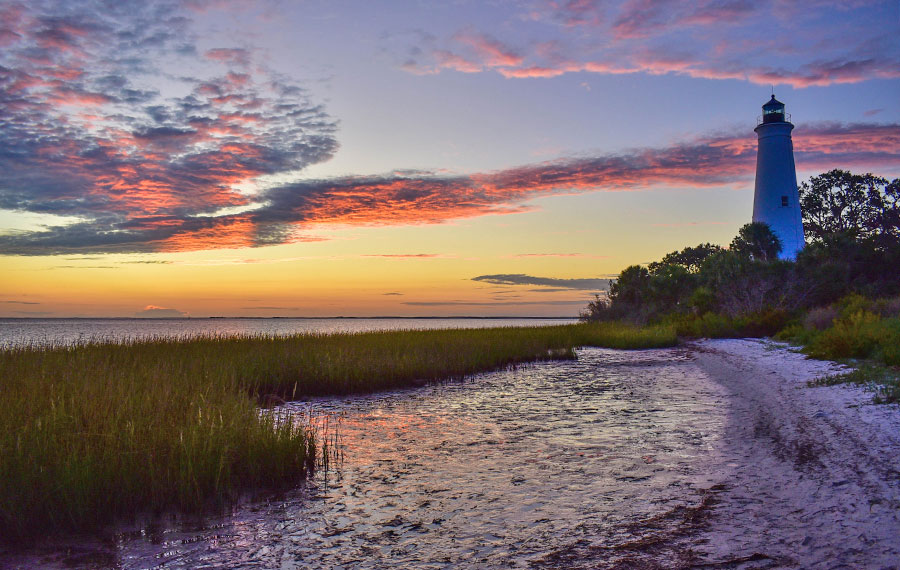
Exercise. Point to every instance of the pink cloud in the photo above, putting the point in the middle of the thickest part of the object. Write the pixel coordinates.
(151, 196)
(449, 60)
(711, 39)
(533, 71)
(233, 56)
(492, 52)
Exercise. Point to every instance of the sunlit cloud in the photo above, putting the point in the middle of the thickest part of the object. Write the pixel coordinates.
(763, 42)
(293, 212)
(87, 131)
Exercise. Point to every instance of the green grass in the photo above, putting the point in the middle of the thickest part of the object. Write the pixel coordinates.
(882, 380)
(94, 433)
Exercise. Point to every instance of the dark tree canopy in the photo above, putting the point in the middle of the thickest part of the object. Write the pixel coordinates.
(862, 206)
(853, 222)
(631, 286)
(690, 258)
(756, 241)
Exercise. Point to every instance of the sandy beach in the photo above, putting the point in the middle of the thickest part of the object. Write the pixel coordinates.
(807, 477)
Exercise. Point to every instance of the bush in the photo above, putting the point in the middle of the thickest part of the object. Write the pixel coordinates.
(763, 323)
(702, 300)
(707, 325)
(820, 318)
(852, 304)
(857, 335)
(598, 311)
(888, 308)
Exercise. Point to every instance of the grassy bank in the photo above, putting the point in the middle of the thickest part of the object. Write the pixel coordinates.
(93, 433)
(861, 332)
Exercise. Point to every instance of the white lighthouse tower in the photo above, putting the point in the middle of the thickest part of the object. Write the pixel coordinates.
(775, 200)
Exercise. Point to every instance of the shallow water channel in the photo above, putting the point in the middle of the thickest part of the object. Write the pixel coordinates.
(517, 468)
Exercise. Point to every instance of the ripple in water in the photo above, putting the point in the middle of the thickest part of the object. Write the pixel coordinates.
(497, 471)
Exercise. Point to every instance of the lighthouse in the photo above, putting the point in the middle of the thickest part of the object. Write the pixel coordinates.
(775, 199)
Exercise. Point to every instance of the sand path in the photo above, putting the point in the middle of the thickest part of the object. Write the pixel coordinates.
(811, 475)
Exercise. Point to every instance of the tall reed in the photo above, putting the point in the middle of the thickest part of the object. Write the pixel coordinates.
(98, 432)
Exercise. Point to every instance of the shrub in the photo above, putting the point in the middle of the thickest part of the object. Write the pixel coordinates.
(707, 325)
(888, 308)
(702, 300)
(820, 318)
(854, 336)
(853, 303)
(791, 333)
(763, 323)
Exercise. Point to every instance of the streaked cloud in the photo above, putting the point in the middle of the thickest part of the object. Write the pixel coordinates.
(590, 284)
(764, 42)
(290, 212)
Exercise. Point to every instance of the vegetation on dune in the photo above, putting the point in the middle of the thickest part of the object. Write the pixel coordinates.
(103, 431)
(860, 332)
(823, 300)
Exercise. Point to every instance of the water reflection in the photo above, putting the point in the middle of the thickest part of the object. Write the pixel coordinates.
(497, 471)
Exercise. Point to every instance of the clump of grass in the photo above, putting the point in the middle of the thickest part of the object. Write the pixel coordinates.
(101, 431)
(882, 380)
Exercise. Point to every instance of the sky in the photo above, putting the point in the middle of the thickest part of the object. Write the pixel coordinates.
(415, 158)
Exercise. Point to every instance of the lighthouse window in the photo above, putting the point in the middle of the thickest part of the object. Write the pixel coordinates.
(784, 201)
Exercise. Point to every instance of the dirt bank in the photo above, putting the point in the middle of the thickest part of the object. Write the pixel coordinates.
(810, 476)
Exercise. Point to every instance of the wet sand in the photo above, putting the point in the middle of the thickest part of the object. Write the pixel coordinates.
(810, 476)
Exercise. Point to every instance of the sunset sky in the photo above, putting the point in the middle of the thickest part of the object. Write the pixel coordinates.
(320, 158)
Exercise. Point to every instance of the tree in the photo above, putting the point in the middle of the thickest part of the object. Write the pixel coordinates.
(743, 286)
(690, 258)
(858, 205)
(631, 286)
(756, 241)
(669, 287)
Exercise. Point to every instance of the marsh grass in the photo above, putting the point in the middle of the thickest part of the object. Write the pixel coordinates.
(99, 432)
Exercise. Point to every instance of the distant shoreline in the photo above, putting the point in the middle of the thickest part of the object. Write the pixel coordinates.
(383, 317)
